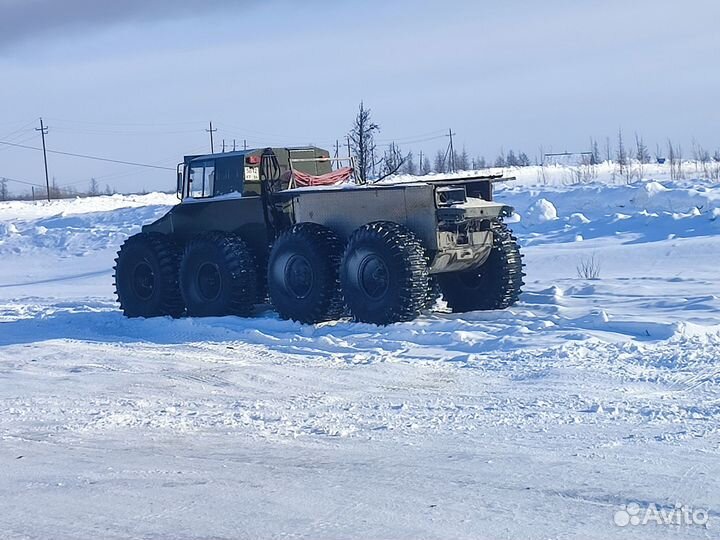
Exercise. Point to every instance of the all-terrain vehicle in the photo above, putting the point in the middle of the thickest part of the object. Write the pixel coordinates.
(290, 225)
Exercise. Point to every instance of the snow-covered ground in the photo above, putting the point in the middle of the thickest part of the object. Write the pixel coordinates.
(541, 421)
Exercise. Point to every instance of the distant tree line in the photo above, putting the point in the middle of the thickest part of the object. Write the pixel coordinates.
(629, 159)
(56, 191)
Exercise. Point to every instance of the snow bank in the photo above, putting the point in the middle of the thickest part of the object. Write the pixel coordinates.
(541, 211)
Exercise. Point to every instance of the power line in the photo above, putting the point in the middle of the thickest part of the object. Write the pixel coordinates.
(86, 131)
(115, 175)
(438, 133)
(274, 136)
(418, 141)
(24, 182)
(15, 134)
(129, 124)
(19, 140)
(85, 156)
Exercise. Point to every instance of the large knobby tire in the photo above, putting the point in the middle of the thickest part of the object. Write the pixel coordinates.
(496, 284)
(261, 287)
(384, 274)
(146, 276)
(303, 279)
(218, 276)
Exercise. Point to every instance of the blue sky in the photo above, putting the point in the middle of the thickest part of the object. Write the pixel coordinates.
(139, 81)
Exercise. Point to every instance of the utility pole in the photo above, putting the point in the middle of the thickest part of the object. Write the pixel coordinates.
(234, 145)
(211, 131)
(244, 144)
(337, 153)
(420, 165)
(33, 192)
(347, 142)
(223, 146)
(451, 161)
(44, 131)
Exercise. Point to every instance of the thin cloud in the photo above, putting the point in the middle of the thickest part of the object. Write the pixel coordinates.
(21, 20)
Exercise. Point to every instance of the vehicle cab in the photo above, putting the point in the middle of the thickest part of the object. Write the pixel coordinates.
(240, 173)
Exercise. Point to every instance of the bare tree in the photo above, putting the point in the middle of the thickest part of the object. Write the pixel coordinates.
(671, 159)
(715, 166)
(702, 159)
(55, 192)
(392, 161)
(588, 268)
(608, 156)
(3, 189)
(675, 160)
(94, 188)
(362, 142)
(679, 165)
(642, 155)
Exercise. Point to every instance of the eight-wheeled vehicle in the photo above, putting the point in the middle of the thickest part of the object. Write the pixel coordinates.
(290, 225)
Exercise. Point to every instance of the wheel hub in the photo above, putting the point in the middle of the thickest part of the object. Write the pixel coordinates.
(143, 280)
(373, 276)
(299, 276)
(209, 281)
(472, 279)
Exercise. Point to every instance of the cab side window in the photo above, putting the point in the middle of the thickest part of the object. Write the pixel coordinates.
(202, 179)
(229, 175)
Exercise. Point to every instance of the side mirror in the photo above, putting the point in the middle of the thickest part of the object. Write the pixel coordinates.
(180, 184)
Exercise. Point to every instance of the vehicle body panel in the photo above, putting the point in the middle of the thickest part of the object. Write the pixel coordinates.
(450, 216)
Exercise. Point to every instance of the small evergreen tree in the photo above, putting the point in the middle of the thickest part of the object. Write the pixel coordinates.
(440, 165)
(480, 163)
(462, 162)
(621, 157)
(595, 149)
(409, 165)
(641, 151)
(425, 167)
